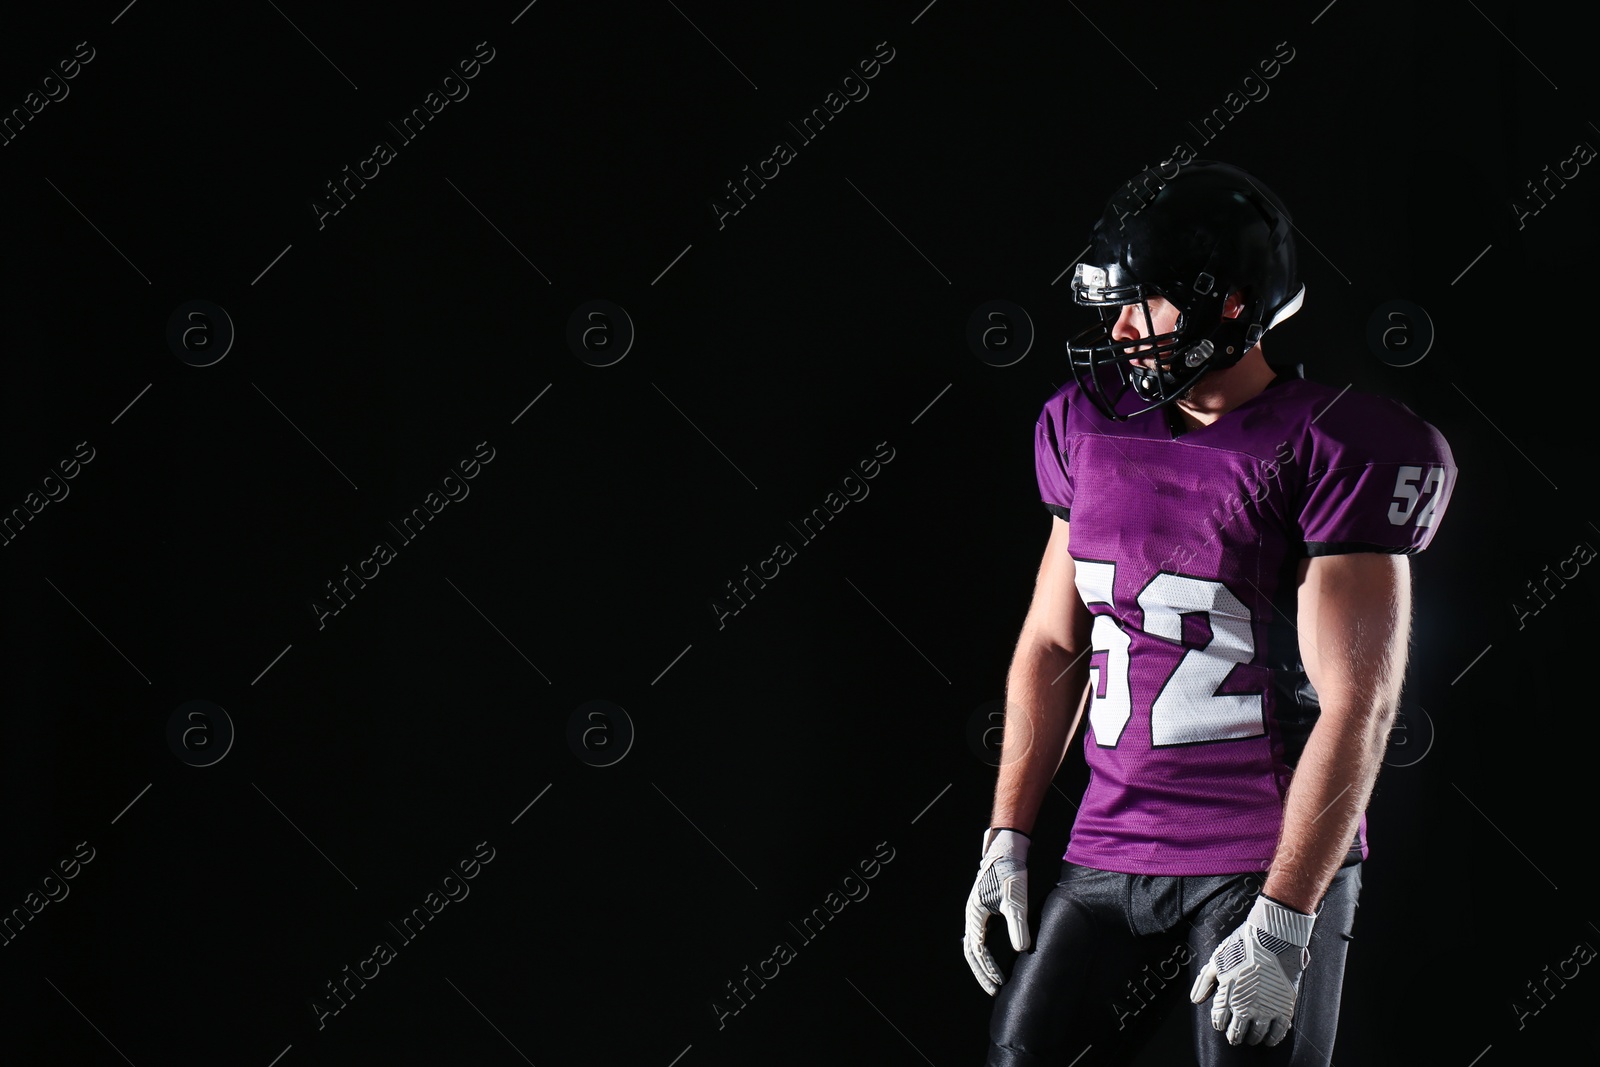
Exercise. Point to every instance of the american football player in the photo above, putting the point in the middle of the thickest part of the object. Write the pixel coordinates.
(1225, 594)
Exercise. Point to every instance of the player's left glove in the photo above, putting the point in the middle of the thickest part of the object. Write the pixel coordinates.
(1256, 972)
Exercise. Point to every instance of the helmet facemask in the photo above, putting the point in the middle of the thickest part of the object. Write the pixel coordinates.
(1201, 339)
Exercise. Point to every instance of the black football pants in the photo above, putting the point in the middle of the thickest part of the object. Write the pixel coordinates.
(1116, 953)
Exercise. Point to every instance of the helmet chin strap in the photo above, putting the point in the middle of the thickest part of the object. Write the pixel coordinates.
(1153, 384)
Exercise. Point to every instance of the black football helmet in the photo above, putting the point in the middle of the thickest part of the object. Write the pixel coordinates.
(1193, 239)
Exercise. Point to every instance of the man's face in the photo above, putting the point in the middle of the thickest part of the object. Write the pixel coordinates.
(1131, 326)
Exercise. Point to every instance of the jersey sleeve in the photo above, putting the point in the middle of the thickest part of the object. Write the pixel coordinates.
(1380, 481)
(1050, 459)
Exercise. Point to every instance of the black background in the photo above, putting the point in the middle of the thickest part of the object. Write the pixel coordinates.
(772, 355)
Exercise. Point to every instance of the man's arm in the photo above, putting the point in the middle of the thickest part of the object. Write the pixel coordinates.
(1045, 686)
(1355, 624)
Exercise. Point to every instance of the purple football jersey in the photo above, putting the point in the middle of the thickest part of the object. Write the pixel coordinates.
(1187, 546)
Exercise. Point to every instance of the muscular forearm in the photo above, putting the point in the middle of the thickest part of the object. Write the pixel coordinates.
(1355, 619)
(1330, 790)
(1044, 695)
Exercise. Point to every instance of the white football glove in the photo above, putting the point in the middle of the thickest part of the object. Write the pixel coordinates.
(1256, 972)
(1001, 888)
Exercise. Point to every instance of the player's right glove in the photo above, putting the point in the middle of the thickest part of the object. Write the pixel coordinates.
(1001, 888)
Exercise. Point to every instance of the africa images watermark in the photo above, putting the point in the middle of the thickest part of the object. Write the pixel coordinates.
(13, 122)
(1271, 471)
(1133, 198)
(1581, 555)
(1582, 154)
(410, 528)
(13, 923)
(13, 522)
(854, 90)
(452, 888)
(852, 888)
(1582, 954)
(853, 488)
(1164, 972)
(455, 90)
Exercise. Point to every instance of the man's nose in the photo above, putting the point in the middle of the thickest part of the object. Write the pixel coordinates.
(1129, 325)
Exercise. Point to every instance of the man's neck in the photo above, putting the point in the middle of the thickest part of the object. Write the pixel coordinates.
(1220, 391)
